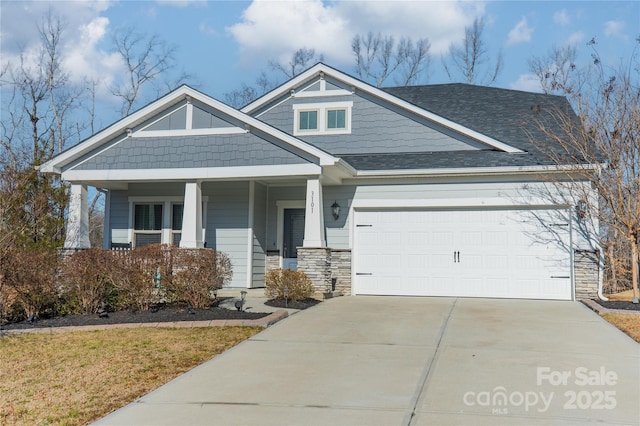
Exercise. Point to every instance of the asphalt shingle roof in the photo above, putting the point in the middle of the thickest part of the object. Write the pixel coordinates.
(509, 116)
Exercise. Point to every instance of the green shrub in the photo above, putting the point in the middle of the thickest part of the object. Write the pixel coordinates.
(196, 273)
(298, 284)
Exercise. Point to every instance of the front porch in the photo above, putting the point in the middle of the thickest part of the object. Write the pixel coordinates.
(247, 220)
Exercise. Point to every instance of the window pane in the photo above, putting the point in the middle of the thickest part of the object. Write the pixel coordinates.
(156, 223)
(308, 120)
(141, 212)
(336, 119)
(176, 217)
(147, 217)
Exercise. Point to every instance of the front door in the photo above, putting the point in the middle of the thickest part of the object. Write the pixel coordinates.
(292, 238)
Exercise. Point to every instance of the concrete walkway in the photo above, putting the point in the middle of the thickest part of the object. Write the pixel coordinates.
(412, 361)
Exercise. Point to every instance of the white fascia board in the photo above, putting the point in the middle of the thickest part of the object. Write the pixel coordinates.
(474, 171)
(200, 173)
(360, 85)
(54, 165)
(184, 92)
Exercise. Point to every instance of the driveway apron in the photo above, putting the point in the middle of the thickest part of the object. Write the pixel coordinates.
(411, 361)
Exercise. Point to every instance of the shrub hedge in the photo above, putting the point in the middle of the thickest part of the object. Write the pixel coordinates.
(42, 283)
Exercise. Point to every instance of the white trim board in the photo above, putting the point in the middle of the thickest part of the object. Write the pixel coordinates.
(239, 172)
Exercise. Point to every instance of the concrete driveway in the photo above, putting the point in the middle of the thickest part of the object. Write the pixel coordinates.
(412, 361)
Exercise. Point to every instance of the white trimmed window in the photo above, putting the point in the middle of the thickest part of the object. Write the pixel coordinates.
(155, 220)
(147, 224)
(308, 120)
(337, 118)
(323, 118)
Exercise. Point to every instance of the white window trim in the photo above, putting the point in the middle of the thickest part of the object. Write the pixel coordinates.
(322, 109)
(167, 210)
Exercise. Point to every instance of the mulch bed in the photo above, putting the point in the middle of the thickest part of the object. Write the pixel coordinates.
(619, 304)
(170, 313)
(291, 304)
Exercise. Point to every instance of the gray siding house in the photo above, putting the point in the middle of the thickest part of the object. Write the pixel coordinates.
(428, 190)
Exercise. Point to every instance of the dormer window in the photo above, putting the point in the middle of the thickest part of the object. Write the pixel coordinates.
(308, 120)
(337, 118)
(322, 118)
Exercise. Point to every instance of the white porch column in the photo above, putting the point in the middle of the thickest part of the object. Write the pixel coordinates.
(192, 216)
(78, 221)
(313, 215)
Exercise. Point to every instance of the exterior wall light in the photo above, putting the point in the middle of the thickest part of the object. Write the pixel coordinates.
(335, 210)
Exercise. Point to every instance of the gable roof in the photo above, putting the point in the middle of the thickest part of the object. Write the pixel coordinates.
(322, 69)
(501, 113)
(123, 126)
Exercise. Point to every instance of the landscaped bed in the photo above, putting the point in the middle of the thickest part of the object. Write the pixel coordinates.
(161, 313)
(76, 378)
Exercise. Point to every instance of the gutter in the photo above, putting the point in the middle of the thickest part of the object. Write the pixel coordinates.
(473, 171)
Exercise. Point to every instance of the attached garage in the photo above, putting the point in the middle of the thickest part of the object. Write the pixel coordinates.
(506, 253)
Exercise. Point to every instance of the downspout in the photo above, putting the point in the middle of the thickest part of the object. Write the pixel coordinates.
(601, 276)
(601, 265)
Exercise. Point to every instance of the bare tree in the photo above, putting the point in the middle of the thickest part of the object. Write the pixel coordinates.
(471, 60)
(378, 57)
(246, 94)
(604, 147)
(557, 71)
(145, 59)
(300, 60)
(35, 128)
(242, 96)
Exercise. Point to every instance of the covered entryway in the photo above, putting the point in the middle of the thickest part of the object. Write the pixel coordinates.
(469, 253)
(293, 237)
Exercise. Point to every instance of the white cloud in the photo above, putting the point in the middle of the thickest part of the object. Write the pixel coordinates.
(526, 83)
(521, 33)
(276, 29)
(80, 52)
(84, 60)
(614, 29)
(207, 29)
(576, 38)
(561, 17)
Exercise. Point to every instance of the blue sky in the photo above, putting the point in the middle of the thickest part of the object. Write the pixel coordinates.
(224, 43)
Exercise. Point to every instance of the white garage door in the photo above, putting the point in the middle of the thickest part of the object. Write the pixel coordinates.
(467, 253)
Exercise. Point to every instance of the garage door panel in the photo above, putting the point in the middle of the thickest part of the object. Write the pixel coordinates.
(442, 238)
(502, 253)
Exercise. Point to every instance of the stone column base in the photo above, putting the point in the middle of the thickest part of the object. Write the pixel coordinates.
(586, 273)
(316, 263)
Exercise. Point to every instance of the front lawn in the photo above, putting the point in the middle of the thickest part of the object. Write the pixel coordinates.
(76, 378)
(628, 323)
